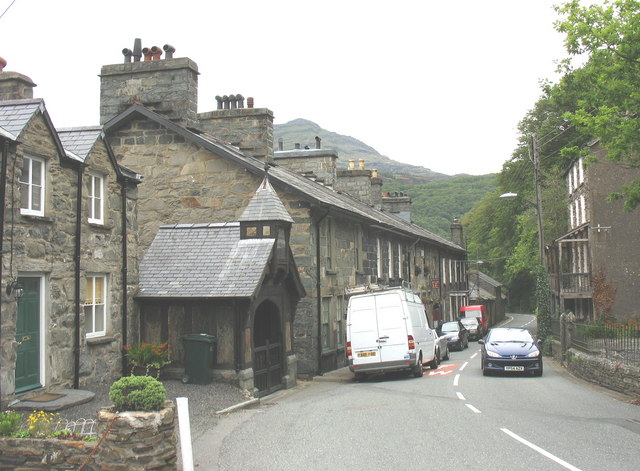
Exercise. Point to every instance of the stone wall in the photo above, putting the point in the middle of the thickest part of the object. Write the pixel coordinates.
(134, 441)
(604, 372)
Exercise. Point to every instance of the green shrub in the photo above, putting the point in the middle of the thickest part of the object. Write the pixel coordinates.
(138, 393)
(9, 423)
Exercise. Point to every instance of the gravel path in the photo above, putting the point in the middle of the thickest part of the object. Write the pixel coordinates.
(204, 401)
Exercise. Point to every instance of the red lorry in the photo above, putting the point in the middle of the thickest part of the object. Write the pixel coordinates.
(477, 310)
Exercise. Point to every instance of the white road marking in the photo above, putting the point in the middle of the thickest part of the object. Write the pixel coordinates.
(473, 409)
(460, 396)
(464, 365)
(473, 356)
(456, 379)
(540, 450)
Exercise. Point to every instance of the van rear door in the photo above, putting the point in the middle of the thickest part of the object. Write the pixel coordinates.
(363, 330)
(392, 327)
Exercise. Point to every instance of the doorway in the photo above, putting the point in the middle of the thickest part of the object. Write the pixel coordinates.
(267, 349)
(28, 335)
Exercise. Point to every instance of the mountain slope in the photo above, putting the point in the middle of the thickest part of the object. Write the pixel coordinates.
(303, 132)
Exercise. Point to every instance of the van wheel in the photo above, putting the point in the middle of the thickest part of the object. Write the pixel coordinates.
(433, 364)
(417, 369)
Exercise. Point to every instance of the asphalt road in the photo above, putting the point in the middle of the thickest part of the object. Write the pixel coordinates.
(453, 418)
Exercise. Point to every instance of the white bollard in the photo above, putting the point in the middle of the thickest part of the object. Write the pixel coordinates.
(185, 433)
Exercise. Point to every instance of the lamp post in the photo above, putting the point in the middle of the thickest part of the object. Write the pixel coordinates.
(538, 208)
(538, 204)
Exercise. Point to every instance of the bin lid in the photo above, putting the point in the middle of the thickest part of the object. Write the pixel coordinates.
(199, 337)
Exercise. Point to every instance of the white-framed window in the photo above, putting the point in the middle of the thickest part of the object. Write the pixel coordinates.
(400, 274)
(32, 186)
(329, 236)
(96, 198)
(390, 257)
(95, 305)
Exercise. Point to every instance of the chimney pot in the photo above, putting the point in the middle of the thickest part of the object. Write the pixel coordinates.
(352, 164)
(137, 50)
(280, 144)
(374, 173)
(318, 140)
(250, 102)
(297, 145)
(169, 50)
(3, 64)
(361, 164)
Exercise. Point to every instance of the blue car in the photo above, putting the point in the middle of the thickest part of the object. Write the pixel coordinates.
(510, 350)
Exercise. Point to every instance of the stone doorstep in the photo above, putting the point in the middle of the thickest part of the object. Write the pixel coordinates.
(71, 397)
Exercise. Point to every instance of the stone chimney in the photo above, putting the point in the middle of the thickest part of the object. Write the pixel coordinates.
(250, 129)
(167, 86)
(398, 204)
(317, 163)
(456, 232)
(14, 86)
(360, 183)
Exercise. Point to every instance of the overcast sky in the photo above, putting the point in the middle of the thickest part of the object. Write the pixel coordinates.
(441, 84)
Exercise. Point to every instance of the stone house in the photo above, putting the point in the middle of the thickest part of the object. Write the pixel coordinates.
(485, 290)
(64, 202)
(595, 267)
(81, 258)
(342, 234)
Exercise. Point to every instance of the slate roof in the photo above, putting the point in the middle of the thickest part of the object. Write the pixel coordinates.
(203, 261)
(265, 206)
(80, 141)
(16, 114)
(281, 177)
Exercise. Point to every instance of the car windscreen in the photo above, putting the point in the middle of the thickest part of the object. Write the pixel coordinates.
(508, 335)
(450, 327)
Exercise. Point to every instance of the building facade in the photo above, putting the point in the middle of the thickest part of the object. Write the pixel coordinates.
(595, 267)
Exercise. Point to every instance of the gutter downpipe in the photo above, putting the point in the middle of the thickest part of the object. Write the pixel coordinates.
(125, 298)
(318, 290)
(76, 337)
(3, 184)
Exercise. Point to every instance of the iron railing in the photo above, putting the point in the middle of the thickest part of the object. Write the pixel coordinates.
(617, 342)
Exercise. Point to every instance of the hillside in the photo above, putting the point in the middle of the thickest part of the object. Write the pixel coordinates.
(436, 198)
(303, 131)
(434, 205)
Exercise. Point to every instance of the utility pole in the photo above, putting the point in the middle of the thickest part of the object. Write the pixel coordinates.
(538, 186)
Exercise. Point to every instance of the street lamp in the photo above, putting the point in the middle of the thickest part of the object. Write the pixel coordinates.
(538, 207)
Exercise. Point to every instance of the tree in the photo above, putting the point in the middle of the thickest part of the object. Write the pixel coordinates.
(608, 84)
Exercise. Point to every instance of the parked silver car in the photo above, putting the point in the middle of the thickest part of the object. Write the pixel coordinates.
(441, 345)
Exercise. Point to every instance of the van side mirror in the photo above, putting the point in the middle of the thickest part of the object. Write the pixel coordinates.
(481, 341)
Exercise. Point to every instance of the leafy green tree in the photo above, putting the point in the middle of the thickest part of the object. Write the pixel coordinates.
(608, 84)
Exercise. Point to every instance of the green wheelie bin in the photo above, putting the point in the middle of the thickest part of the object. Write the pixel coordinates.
(199, 358)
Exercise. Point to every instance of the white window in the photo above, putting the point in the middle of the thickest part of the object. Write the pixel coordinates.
(581, 171)
(32, 186)
(95, 308)
(583, 208)
(400, 261)
(326, 312)
(96, 198)
(390, 248)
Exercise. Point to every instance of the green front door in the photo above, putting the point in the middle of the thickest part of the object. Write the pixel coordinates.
(28, 336)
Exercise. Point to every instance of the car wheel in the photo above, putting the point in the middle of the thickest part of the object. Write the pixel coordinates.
(433, 364)
(417, 369)
(538, 372)
(446, 354)
(485, 372)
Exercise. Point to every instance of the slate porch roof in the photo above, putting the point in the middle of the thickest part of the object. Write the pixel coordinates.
(281, 177)
(265, 206)
(203, 261)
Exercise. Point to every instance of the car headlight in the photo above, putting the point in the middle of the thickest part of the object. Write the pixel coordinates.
(533, 354)
(491, 353)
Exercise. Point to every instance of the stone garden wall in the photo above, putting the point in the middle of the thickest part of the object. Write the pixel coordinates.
(134, 441)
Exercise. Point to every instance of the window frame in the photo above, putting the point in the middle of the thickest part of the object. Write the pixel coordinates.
(90, 323)
(91, 196)
(29, 185)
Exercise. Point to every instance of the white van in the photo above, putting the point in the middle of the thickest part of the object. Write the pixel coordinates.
(388, 330)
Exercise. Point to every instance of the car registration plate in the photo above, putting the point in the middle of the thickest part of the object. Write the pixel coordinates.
(366, 354)
(514, 368)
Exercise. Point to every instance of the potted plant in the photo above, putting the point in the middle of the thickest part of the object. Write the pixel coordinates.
(148, 357)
